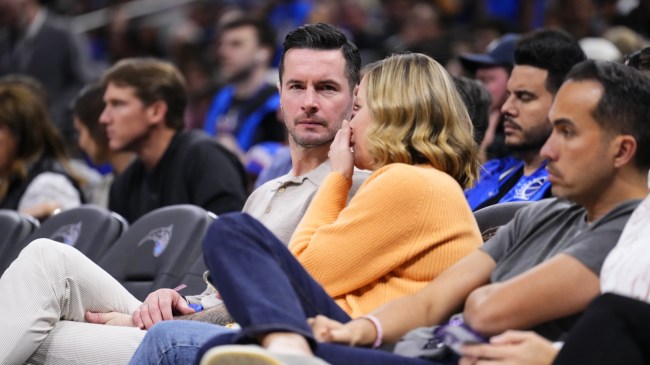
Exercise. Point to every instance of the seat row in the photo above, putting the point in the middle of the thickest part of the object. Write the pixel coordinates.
(161, 249)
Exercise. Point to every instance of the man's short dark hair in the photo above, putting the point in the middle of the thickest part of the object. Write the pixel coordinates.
(325, 37)
(153, 80)
(640, 60)
(623, 108)
(552, 50)
(265, 33)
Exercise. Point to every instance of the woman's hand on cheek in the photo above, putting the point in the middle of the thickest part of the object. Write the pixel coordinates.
(341, 157)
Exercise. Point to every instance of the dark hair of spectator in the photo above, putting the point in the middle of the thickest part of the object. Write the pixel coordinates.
(325, 37)
(623, 107)
(25, 115)
(88, 106)
(265, 33)
(640, 60)
(552, 50)
(478, 102)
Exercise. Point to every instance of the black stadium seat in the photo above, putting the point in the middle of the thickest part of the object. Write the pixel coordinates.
(89, 228)
(14, 228)
(490, 218)
(193, 277)
(158, 248)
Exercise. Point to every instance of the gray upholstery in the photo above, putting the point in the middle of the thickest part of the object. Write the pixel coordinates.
(490, 218)
(158, 248)
(89, 228)
(14, 228)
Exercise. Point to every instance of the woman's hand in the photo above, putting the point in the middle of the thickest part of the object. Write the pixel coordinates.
(110, 319)
(329, 330)
(341, 157)
(358, 332)
(511, 348)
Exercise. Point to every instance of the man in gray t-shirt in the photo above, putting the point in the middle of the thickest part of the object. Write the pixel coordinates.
(527, 242)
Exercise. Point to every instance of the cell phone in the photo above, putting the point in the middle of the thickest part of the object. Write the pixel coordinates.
(457, 333)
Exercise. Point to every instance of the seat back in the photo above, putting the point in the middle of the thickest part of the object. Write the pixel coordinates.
(490, 218)
(193, 277)
(158, 248)
(14, 228)
(89, 228)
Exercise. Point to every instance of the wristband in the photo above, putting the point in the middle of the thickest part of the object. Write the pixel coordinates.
(380, 332)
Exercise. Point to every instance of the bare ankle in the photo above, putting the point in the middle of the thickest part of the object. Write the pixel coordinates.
(286, 343)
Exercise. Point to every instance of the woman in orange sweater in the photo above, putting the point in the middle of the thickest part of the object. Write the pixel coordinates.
(407, 223)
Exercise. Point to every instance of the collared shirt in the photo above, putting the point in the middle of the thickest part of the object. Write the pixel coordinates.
(280, 203)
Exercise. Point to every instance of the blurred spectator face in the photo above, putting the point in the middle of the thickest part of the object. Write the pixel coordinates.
(526, 125)
(86, 143)
(12, 13)
(495, 80)
(126, 118)
(7, 148)
(315, 95)
(422, 25)
(238, 53)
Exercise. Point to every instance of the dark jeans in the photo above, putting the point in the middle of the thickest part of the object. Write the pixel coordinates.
(267, 290)
(262, 284)
(613, 330)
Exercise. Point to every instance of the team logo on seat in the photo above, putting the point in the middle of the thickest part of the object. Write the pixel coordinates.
(160, 238)
(67, 234)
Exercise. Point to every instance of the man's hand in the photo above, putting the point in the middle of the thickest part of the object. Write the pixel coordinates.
(511, 348)
(160, 306)
(110, 319)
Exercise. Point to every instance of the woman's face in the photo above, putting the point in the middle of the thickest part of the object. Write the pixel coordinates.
(86, 142)
(359, 124)
(7, 148)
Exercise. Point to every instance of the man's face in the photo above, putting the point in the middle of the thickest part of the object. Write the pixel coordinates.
(128, 121)
(238, 52)
(315, 95)
(495, 80)
(526, 109)
(12, 13)
(579, 152)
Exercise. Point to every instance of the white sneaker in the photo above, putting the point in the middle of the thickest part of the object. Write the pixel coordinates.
(254, 355)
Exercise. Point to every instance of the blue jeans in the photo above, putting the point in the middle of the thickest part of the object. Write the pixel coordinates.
(175, 342)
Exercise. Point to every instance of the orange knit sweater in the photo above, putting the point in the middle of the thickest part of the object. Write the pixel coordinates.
(404, 226)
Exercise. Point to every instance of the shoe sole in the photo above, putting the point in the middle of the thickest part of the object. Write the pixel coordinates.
(238, 355)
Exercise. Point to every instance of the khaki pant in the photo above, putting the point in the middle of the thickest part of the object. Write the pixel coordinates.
(44, 295)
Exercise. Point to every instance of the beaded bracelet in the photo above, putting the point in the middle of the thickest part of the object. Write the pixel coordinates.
(380, 332)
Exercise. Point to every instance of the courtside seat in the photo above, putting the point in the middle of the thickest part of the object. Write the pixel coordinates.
(490, 218)
(14, 228)
(89, 228)
(158, 248)
(193, 277)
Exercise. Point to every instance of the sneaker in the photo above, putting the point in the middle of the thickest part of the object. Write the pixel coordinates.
(254, 355)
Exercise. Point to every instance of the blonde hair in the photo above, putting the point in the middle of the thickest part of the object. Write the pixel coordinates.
(419, 117)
